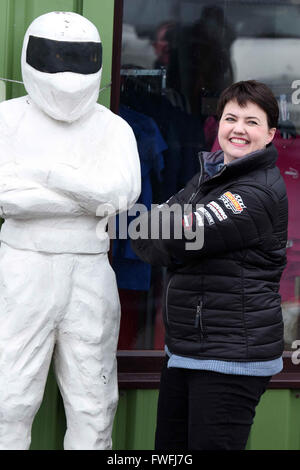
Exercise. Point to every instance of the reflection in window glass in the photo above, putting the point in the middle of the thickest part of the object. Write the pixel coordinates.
(177, 57)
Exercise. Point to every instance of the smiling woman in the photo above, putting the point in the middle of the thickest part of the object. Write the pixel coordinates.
(248, 123)
(222, 315)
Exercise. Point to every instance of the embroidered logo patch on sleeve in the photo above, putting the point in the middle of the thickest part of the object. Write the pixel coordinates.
(234, 202)
(217, 210)
(207, 215)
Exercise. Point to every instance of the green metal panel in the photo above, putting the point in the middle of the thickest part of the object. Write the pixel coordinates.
(276, 424)
(134, 425)
(3, 34)
(49, 425)
(4, 38)
(119, 434)
(102, 17)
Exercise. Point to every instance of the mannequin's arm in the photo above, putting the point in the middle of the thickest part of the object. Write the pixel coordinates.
(112, 179)
(109, 181)
(22, 198)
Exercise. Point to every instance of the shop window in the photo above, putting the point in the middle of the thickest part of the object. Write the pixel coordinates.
(176, 58)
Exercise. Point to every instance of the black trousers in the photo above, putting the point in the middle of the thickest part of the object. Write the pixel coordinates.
(204, 410)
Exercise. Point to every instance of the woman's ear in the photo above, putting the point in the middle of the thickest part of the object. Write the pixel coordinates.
(271, 134)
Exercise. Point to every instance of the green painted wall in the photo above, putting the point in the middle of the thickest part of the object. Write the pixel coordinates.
(276, 424)
(101, 13)
(134, 424)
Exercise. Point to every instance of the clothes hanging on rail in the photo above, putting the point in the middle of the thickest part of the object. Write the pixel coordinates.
(168, 141)
(182, 132)
(131, 272)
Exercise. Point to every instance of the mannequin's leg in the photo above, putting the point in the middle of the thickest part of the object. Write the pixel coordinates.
(85, 355)
(26, 343)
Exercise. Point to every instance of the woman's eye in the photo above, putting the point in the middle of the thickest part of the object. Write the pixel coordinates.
(252, 122)
(230, 119)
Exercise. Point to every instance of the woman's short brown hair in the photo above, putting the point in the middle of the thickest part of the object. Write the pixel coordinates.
(256, 92)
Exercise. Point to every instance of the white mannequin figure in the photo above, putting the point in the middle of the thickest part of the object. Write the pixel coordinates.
(62, 156)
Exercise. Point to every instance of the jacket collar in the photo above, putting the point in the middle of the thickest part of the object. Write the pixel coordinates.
(260, 159)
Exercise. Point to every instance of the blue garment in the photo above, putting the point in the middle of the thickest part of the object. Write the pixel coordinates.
(131, 272)
(182, 132)
(262, 368)
(213, 168)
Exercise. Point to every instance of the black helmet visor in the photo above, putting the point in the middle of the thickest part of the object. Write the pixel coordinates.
(50, 56)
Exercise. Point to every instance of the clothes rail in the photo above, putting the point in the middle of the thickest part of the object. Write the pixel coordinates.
(147, 72)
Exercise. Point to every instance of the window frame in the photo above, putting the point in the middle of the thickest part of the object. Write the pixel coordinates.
(140, 369)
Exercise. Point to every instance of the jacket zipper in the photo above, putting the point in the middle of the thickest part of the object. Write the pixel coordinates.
(200, 156)
(167, 295)
(199, 319)
(200, 178)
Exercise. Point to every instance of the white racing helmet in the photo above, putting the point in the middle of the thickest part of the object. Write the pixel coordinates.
(62, 64)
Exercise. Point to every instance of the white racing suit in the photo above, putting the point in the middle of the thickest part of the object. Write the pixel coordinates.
(57, 290)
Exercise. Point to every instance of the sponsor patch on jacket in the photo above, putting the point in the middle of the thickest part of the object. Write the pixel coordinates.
(206, 214)
(234, 202)
(217, 210)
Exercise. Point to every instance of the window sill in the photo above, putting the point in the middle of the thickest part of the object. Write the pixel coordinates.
(141, 370)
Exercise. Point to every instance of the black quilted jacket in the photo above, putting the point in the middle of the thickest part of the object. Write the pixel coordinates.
(221, 300)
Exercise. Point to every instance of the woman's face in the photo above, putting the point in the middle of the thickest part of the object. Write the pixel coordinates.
(243, 130)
